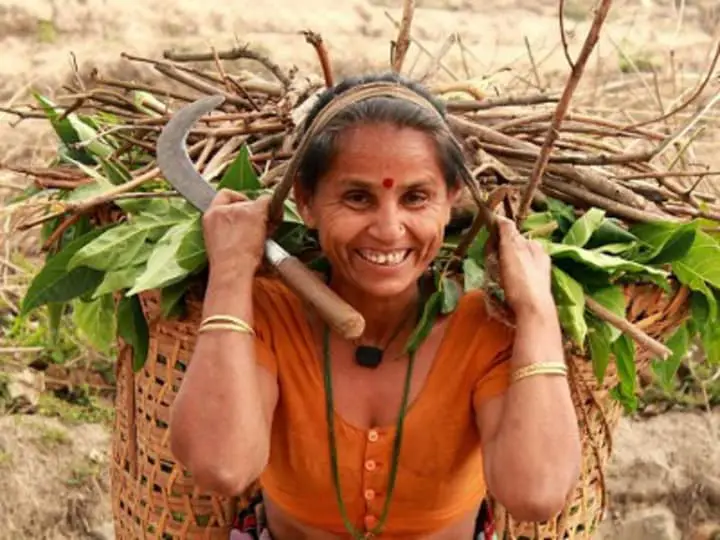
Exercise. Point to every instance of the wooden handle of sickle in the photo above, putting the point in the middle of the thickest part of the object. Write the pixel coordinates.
(337, 313)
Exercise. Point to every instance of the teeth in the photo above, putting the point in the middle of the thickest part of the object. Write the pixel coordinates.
(388, 259)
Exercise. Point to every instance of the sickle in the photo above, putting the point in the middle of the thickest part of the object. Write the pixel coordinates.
(175, 164)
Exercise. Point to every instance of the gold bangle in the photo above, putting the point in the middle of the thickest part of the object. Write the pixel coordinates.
(541, 368)
(237, 323)
(224, 326)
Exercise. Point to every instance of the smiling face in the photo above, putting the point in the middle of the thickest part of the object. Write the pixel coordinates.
(380, 209)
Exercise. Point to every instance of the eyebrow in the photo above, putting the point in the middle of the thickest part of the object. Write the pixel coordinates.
(358, 183)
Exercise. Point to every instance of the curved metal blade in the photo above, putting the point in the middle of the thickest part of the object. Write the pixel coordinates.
(173, 158)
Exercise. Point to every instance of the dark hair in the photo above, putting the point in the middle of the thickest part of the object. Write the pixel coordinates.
(400, 112)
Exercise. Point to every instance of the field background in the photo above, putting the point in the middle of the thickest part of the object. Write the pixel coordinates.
(55, 403)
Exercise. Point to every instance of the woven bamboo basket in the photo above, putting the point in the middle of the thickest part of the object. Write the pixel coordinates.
(154, 497)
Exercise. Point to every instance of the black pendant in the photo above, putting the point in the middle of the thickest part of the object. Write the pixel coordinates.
(368, 357)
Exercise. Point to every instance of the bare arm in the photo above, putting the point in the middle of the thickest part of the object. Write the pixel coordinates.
(530, 436)
(222, 416)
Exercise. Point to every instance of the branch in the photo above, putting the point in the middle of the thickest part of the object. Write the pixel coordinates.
(403, 40)
(628, 328)
(233, 54)
(562, 107)
(563, 36)
(692, 98)
(491, 103)
(316, 41)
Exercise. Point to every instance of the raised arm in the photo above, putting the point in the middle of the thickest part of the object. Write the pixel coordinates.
(530, 434)
(221, 418)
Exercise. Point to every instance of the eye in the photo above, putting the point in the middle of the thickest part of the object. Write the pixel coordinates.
(415, 198)
(357, 198)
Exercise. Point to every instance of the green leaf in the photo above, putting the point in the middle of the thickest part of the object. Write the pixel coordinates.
(171, 299)
(600, 261)
(55, 283)
(679, 343)
(191, 254)
(96, 321)
(562, 213)
(114, 250)
(570, 302)
(476, 251)
(615, 249)
(430, 313)
(240, 175)
(291, 213)
(701, 264)
(613, 298)
(473, 275)
(536, 220)
(610, 231)
(599, 341)
(118, 280)
(664, 241)
(624, 350)
(163, 266)
(133, 329)
(63, 128)
(450, 295)
(581, 231)
(55, 313)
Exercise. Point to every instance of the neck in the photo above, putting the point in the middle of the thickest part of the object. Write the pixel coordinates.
(383, 316)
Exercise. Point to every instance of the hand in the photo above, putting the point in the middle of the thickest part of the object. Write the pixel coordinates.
(235, 229)
(524, 272)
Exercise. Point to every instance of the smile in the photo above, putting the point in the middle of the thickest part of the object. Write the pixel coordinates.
(384, 258)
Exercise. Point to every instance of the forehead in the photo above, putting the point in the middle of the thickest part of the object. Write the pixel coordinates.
(384, 151)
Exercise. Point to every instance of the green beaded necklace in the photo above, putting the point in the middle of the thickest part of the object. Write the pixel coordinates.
(329, 411)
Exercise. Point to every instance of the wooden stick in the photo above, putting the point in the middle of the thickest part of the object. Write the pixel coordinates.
(403, 40)
(562, 107)
(233, 54)
(316, 41)
(628, 328)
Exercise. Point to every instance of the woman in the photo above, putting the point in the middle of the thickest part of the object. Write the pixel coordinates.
(315, 418)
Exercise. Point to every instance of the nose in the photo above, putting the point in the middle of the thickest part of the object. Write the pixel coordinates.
(388, 224)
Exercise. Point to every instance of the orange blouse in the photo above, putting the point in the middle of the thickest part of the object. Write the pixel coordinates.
(440, 474)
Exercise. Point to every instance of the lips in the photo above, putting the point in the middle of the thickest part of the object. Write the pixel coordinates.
(384, 258)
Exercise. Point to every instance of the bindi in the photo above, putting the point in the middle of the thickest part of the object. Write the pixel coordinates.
(388, 183)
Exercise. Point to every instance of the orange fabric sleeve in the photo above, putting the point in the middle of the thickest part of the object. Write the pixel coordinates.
(494, 352)
(264, 311)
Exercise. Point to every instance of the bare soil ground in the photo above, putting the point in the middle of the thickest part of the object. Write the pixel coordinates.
(52, 473)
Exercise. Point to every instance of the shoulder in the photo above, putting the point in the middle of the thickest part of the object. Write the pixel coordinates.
(479, 332)
(275, 306)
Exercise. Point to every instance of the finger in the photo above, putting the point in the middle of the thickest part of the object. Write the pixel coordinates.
(228, 196)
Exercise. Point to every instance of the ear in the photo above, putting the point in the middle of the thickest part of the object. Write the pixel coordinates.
(303, 202)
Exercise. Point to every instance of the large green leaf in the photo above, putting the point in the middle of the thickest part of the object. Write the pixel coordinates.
(600, 261)
(610, 231)
(118, 280)
(624, 350)
(114, 250)
(96, 321)
(133, 329)
(599, 342)
(56, 283)
(570, 302)
(537, 220)
(240, 175)
(583, 228)
(191, 253)
(679, 343)
(476, 251)
(663, 242)
(163, 266)
(701, 263)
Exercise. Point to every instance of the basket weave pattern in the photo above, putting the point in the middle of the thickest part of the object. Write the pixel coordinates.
(658, 314)
(153, 497)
